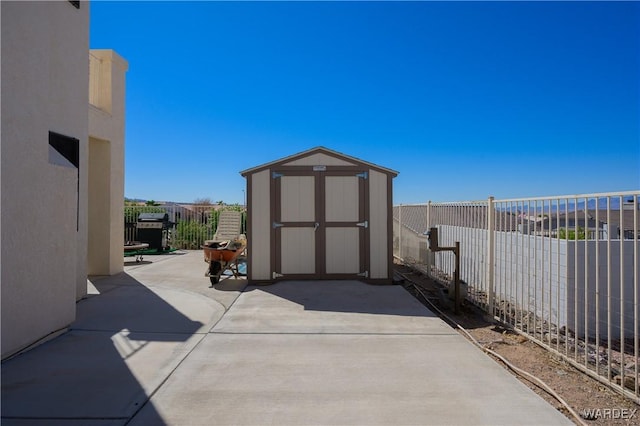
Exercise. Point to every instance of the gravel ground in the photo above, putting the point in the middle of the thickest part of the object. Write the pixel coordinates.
(580, 391)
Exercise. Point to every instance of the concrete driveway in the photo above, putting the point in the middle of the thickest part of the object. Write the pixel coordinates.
(157, 346)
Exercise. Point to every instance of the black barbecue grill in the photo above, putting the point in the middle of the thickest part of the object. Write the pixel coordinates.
(153, 228)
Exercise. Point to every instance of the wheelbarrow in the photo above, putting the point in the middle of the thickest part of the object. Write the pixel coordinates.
(222, 257)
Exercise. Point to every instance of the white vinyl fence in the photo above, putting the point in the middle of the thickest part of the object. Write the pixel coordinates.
(564, 270)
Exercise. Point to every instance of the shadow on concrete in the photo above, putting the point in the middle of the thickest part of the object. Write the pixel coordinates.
(347, 296)
(151, 256)
(126, 304)
(106, 367)
(134, 263)
(230, 284)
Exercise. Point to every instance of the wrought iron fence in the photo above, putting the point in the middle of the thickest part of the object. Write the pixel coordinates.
(191, 225)
(564, 270)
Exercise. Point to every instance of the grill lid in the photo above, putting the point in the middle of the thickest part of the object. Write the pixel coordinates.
(153, 217)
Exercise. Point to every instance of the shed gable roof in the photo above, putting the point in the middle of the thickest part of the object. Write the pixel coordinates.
(318, 152)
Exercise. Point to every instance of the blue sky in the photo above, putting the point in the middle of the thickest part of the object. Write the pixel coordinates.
(464, 99)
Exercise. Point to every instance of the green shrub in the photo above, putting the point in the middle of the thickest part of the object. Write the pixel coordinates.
(571, 234)
(190, 234)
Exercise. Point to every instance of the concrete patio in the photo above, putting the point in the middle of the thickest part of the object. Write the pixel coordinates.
(156, 345)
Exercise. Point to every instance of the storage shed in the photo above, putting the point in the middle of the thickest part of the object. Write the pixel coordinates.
(319, 215)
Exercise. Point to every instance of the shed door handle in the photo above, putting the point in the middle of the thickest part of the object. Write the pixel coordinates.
(316, 226)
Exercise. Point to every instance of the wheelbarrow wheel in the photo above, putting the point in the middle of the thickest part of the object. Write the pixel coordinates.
(214, 272)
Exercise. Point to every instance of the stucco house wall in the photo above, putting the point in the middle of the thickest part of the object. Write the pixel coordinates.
(45, 82)
(106, 162)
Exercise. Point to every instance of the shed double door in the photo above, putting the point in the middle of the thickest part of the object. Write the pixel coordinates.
(320, 226)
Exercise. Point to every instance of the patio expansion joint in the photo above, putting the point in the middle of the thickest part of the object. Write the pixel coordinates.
(90, 330)
(275, 333)
(168, 376)
(61, 418)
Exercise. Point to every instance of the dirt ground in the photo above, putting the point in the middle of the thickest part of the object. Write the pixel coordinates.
(579, 390)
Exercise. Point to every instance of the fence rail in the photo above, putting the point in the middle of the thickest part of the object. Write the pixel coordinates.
(564, 270)
(191, 225)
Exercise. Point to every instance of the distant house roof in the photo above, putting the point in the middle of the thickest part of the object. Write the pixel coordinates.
(625, 224)
(563, 221)
(414, 217)
(591, 219)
